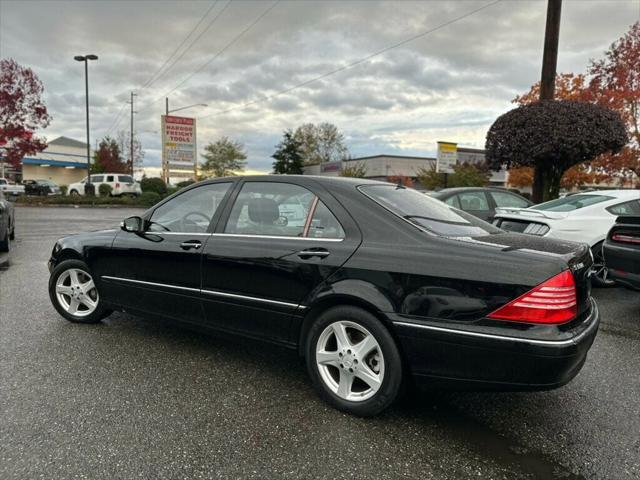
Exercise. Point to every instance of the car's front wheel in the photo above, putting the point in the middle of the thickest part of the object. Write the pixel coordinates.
(74, 193)
(74, 294)
(353, 361)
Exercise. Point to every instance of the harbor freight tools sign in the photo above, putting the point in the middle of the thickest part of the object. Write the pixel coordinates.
(447, 157)
(179, 152)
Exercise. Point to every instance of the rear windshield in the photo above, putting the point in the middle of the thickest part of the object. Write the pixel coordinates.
(427, 212)
(572, 202)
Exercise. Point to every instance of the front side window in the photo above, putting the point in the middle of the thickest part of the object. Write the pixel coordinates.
(473, 201)
(428, 213)
(453, 201)
(572, 202)
(283, 210)
(504, 199)
(96, 178)
(190, 212)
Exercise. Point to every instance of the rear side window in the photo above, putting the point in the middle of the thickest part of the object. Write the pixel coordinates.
(572, 202)
(428, 213)
(125, 178)
(504, 199)
(110, 178)
(626, 208)
(473, 201)
(282, 210)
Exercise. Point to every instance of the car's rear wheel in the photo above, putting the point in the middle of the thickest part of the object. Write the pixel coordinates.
(353, 361)
(74, 294)
(599, 270)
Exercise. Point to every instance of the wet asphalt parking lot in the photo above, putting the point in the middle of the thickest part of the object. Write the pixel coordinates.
(133, 398)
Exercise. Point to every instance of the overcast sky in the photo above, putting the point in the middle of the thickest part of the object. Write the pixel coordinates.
(447, 85)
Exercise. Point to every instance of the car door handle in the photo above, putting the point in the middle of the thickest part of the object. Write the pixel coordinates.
(313, 252)
(188, 245)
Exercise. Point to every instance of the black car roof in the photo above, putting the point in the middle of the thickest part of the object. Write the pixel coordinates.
(454, 190)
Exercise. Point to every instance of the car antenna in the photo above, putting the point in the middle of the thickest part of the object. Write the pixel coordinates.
(400, 186)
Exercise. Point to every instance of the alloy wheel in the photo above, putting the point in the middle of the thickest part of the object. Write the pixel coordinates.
(599, 268)
(350, 361)
(76, 292)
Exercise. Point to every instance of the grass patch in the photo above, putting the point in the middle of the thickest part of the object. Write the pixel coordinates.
(147, 199)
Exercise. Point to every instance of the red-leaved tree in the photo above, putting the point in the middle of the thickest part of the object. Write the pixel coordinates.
(22, 112)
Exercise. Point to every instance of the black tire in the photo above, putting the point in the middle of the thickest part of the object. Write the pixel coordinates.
(5, 245)
(392, 381)
(599, 270)
(98, 314)
(74, 193)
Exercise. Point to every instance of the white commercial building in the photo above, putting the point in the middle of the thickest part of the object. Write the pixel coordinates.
(64, 161)
(381, 167)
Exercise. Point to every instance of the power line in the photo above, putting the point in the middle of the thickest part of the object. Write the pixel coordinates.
(151, 80)
(352, 64)
(119, 116)
(219, 52)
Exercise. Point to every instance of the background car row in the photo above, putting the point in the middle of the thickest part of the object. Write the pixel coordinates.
(607, 220)
(119, 184)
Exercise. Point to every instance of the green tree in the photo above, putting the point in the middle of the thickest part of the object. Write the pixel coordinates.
(553, 136)
(321, 143)
(224, 157)
(287, 155)
(465, 175)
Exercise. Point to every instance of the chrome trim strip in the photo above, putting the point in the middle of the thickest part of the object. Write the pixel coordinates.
(153, 284)
(552, 343)
(208, 292)
(181, 233)
(277, 237)
(217, 293)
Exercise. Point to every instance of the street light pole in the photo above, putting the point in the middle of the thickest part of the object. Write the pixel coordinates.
(85, 59)
(131, 137)
(550, 53)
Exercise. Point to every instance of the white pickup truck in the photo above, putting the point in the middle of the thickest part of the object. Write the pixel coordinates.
(10, 188)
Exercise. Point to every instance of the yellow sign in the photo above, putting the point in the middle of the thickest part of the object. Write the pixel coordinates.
(447, 157)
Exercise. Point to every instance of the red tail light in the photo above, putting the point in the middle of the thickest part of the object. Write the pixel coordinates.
(622, 238)
(553, 301)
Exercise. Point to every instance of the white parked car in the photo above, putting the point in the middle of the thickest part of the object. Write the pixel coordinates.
(9, 188)
(583, 217)
(121, 184)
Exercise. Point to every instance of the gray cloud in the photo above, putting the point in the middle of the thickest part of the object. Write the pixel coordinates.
(449, 84)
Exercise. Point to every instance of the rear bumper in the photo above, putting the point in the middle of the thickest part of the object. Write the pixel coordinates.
(460, 359)
(623, 263)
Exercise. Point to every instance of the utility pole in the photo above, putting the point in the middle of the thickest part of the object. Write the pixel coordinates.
(131, 136)
(550, 54)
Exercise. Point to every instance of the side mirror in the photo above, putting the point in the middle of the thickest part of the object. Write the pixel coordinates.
(132, 224)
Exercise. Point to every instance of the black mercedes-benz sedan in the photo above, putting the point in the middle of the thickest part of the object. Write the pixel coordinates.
(376, 285)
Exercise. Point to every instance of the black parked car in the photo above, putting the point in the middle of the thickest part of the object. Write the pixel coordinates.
(7, 224)
(372, 283)
(40, 187)
(480, 201)
(621, 251)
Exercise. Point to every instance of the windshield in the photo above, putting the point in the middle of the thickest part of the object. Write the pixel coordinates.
(428, 213)
(573, 202)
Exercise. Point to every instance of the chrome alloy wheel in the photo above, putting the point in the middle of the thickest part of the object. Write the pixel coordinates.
(350, 361)
(76, 293)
